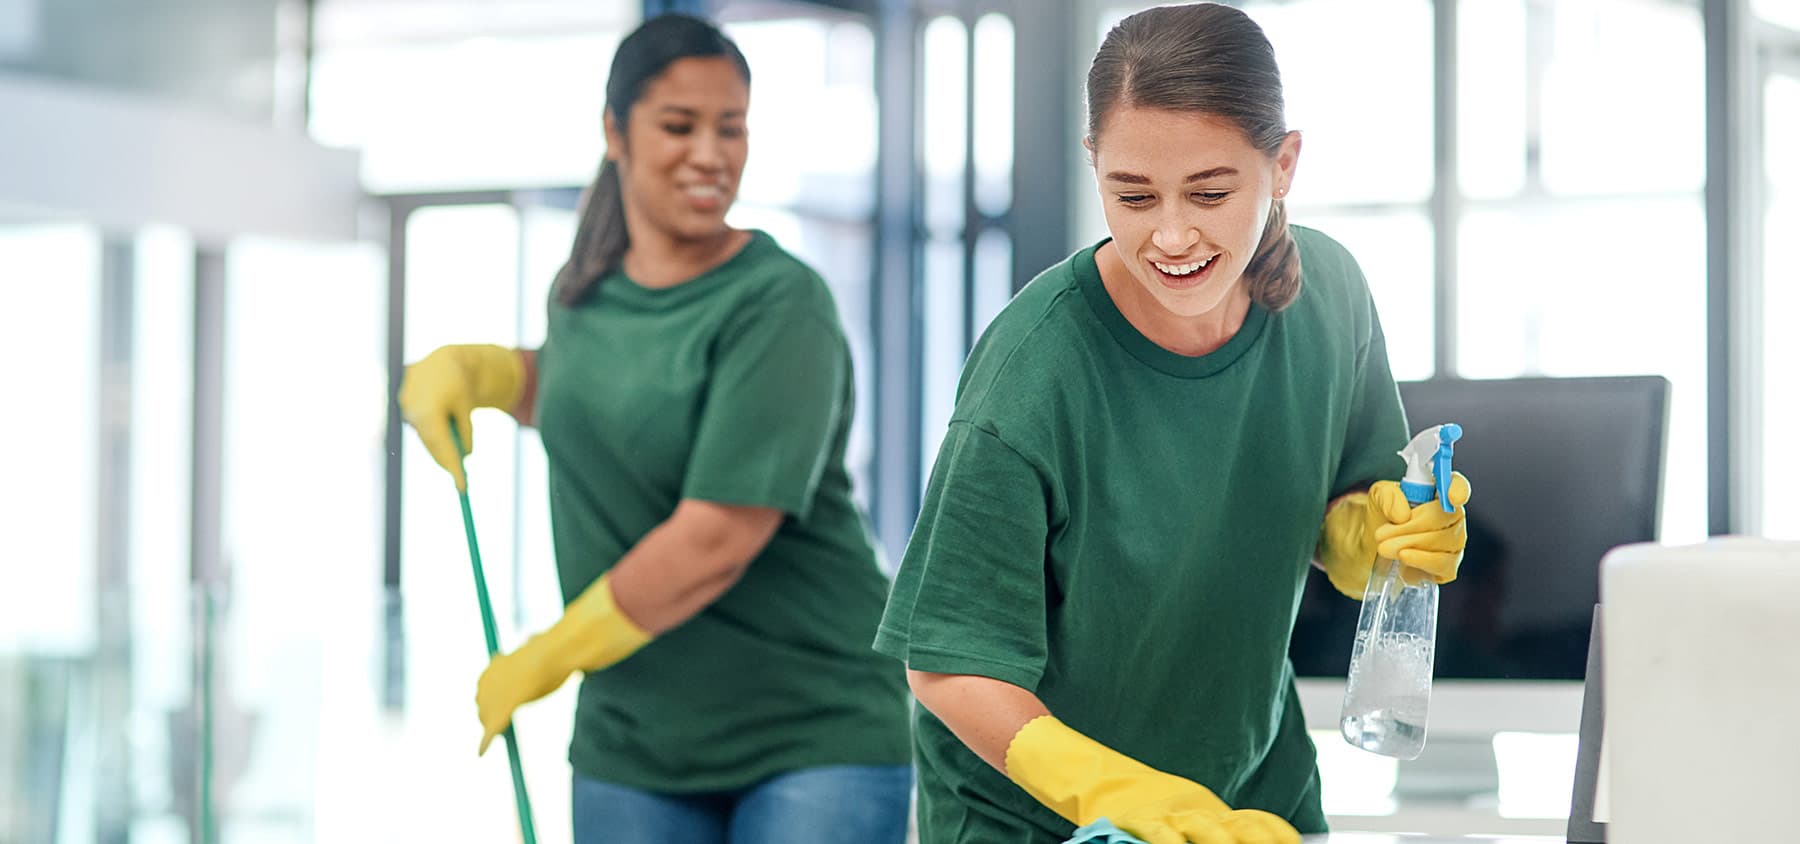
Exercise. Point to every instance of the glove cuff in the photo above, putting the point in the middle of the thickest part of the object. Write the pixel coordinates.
(496, 376)
(594, 633)
(1052, 762)
(1083, 780)
(1346, 549)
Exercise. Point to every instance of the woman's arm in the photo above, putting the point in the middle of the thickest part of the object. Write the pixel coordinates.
(1077, 777)
(984, 713)
(525, 409)
(688, 561)
(682, 565)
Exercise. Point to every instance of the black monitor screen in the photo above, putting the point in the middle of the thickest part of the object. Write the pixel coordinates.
(1563, 470)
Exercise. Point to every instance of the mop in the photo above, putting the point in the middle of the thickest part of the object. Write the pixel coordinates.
(493, 643)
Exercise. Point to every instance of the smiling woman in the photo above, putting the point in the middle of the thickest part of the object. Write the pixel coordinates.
(1182, 243)
(680, 156)
(675, 150)
(694, 396)
(1151, 444)
(1189, 224)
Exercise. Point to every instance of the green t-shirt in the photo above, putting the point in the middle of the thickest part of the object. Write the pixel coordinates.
(734, 387)
(1125, 531)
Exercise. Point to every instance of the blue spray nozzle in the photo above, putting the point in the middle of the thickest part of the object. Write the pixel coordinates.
(1427, 458)
(1448, 434)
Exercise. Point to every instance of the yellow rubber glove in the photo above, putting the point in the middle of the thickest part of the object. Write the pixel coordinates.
(1423, 538)
(1347, 545)
(592, 635)
(448, 384)
(1382, 523)
(1084, 780)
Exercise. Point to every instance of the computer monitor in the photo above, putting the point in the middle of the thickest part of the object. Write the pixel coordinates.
(1563, 470)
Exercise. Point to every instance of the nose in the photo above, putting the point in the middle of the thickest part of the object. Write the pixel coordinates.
(1175, 234)
(706, 152)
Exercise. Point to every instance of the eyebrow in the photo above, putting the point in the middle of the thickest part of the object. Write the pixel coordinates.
(1135, 179)
(684, 111)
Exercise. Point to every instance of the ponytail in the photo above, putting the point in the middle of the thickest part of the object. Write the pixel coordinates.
(1273, 274)
(600, 239)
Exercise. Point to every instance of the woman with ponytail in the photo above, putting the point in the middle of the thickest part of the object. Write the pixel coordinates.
(1150, 445)
(694, 397)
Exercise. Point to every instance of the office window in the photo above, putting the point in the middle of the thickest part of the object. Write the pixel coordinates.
(943, 148)
(1347, 68)
(462, 94)
(295, 614)
(1779, 12)
(1393, 247)
(475, 274)
(944, 352)
(814, 190)
(1780, 498)
(1357, 79)
(1585, 302)
(1595, 263)
(161, 601)
(49, 428)
(49, 334)
(812, 115)
(461, 287)
(1622, 88)
(993, 88)
(993, 278)
(1492, 91)
(546, 235)
(993, 85)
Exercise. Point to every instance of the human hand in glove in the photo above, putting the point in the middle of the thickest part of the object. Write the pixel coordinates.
(447, 385)
(1381, 523)
(1083, 781)
(592, 634)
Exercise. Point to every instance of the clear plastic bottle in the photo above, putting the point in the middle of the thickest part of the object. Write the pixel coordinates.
(1387, 700)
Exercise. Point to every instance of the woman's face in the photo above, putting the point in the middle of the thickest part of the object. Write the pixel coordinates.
(683, 149)
(1186, 197)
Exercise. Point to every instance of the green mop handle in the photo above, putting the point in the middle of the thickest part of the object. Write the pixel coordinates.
(493, 644)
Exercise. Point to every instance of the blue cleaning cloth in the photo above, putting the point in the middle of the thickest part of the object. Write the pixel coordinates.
(1102, 831)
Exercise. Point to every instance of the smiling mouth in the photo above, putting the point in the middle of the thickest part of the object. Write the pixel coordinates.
(1180, 270)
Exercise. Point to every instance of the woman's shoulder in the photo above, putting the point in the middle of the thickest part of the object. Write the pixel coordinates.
(1335, 299)
(780, 280)
(1323, 258)
(1029, 349)
(1330, 276)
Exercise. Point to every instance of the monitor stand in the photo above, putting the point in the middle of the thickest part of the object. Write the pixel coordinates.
(1454, 767)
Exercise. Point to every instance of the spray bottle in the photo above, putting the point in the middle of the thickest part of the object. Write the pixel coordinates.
(1388, 696)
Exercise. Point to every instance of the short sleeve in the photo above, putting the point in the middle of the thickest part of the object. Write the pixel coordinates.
(969, 597)
(774, 403)
(1376, 427)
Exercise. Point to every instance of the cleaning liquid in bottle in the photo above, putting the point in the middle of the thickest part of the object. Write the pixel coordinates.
(1387, 699)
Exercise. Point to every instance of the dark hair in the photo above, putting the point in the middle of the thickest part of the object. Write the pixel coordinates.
(1209, 58)
(600, 236)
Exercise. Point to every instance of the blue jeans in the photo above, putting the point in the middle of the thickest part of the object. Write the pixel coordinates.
(828, 805)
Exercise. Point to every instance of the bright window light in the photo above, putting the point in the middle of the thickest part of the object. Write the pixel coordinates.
(1780, 500)
(1537, 774)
